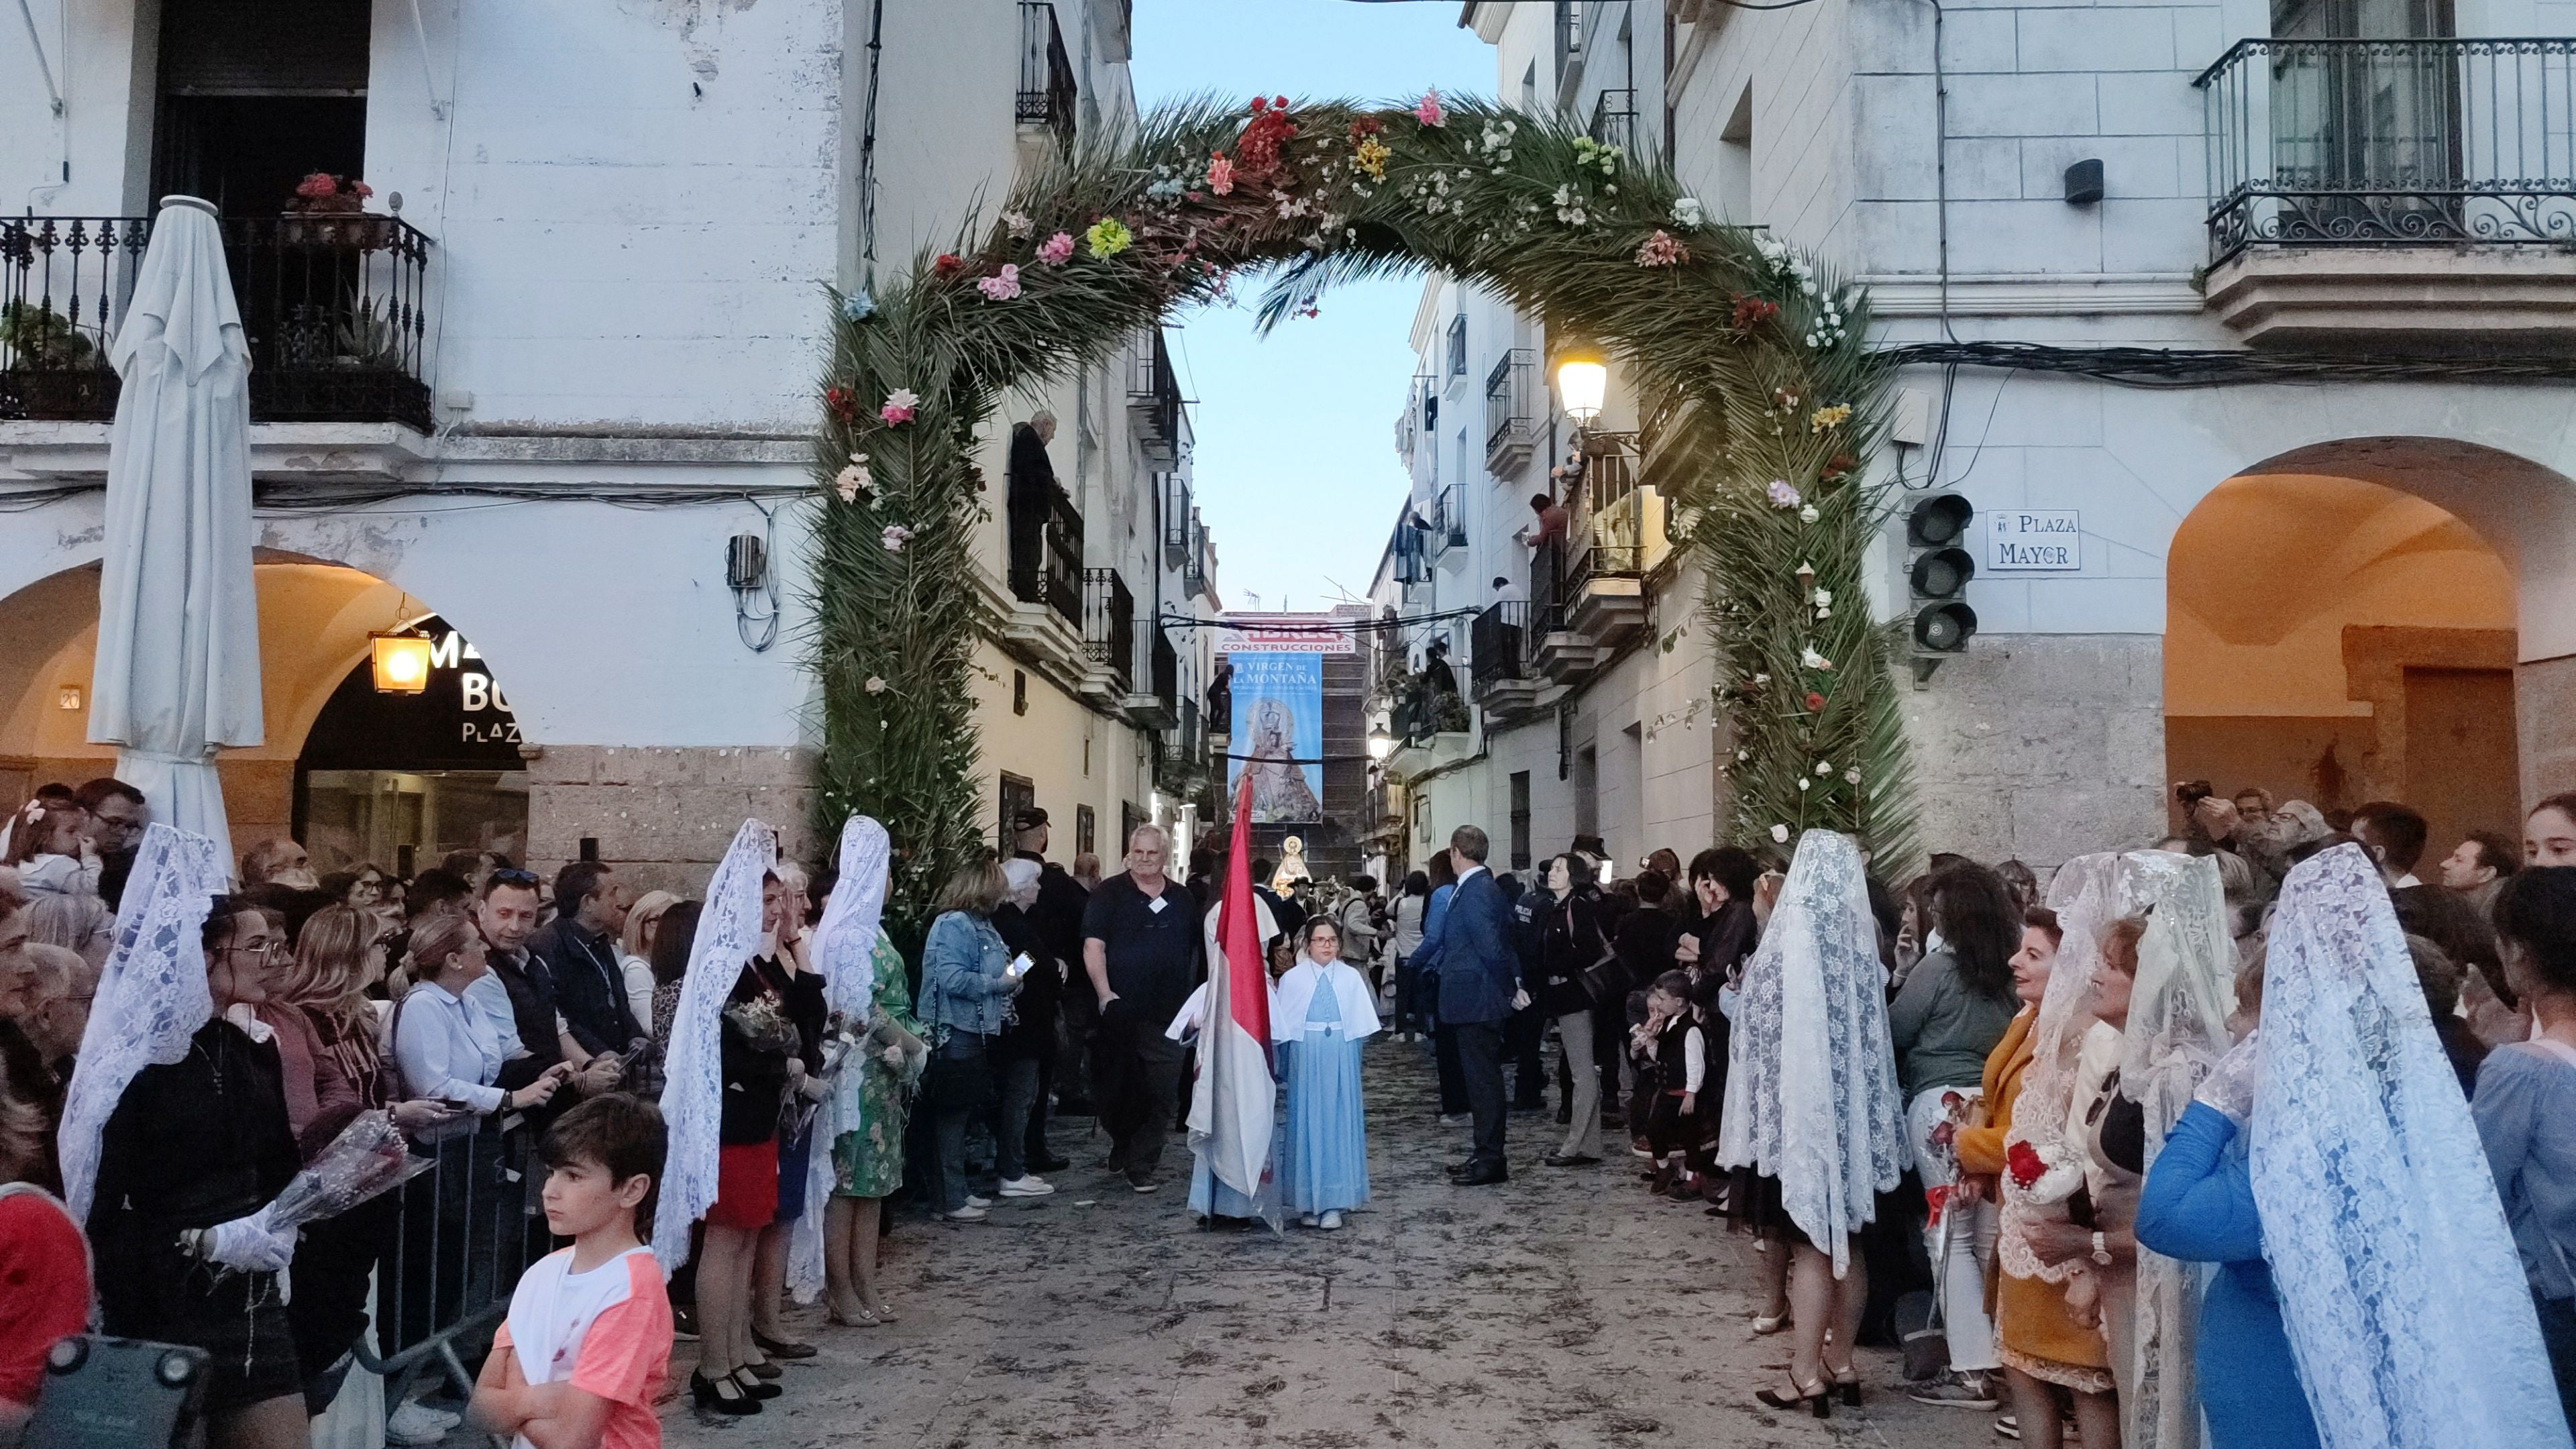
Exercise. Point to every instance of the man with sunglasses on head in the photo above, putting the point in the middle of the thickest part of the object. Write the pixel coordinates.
(506, 910)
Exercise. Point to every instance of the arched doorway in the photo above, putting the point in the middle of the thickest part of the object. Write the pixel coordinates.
(395, 779)
(2337, 640)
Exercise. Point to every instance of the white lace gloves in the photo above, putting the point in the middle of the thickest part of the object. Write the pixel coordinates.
(246, 1244)
(2230, 1085)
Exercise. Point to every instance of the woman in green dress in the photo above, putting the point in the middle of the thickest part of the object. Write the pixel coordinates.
(867, 1164)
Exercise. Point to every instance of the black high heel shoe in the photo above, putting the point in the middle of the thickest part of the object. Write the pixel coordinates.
(1847, 1386)
(1816, 1398)
(720, 1395)
(754, 1385)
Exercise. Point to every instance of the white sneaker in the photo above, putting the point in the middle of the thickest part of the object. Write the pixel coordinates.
(1332, 1222)
(970, 1213)
(978, 1202)
(1029, 1186)
(1307, 1221)
(417, 1423)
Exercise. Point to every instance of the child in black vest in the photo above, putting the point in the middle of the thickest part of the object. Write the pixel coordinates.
(1672, 1062)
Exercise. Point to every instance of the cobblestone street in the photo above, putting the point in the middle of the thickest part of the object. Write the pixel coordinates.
(1567, 1308)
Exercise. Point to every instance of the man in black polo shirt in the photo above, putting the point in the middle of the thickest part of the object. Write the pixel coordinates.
(1140, 944)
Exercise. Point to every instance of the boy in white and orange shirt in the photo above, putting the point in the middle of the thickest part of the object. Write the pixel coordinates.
(587, 1344)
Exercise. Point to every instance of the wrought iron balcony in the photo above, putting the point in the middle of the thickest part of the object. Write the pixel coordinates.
(1498, 643)
(1109, 625)
(1614, 119)
(1448, 523)
(1511, 412)
(1046, 554)
(1048, 94)
(1157, 706)
(2391, 143)
(333, 308)
(1154, 402)
(1180, 522)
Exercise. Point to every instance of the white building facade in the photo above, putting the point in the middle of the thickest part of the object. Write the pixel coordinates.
(2282, 568)
(552, 391)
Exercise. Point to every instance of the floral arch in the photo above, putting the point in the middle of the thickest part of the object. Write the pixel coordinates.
(1756, 395)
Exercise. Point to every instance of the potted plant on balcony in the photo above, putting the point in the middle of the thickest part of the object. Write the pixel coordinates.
(57, 372)
(323, 195)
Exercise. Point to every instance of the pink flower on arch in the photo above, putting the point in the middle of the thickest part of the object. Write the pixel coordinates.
(1662, 250)
(895, 537)
(900, 405)
(1057, 249)
(1428, 111)
(1220, 175)
(1002, 286)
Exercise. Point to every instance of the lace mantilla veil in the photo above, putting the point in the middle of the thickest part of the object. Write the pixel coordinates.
(2177, 1031)
(2089, 893)
(693, 1087)
(1811, 1094)
(2400, 1286)
(845, 948)
(152, 995)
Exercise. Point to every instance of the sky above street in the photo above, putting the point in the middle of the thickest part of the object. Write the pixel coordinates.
(1295, 460)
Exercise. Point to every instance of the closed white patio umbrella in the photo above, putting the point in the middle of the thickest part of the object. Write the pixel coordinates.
(177, 675)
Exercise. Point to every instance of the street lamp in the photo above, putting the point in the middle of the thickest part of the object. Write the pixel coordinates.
(401, 662)
(1582, 380)
(1380, 743)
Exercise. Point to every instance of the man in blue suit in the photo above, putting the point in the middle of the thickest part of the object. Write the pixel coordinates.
(1480, 988)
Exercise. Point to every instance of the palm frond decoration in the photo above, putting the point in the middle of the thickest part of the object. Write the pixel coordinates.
(1748, 355)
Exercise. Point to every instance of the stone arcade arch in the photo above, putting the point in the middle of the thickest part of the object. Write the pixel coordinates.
(354, 777)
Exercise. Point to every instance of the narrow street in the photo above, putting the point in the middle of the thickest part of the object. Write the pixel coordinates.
(1549, 1312)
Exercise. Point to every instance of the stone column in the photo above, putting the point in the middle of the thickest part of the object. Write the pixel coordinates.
(2544, 710)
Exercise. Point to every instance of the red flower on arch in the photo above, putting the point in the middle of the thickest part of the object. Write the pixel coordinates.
(1815, 702)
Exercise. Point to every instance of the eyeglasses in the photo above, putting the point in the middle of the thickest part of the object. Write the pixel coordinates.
(269, 950)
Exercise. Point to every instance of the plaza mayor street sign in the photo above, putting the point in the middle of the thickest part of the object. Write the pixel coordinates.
(2034, 538)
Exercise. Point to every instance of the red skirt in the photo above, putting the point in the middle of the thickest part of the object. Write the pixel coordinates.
(746, 1187)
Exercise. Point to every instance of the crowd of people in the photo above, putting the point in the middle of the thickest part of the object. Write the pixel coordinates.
(2033, 1137)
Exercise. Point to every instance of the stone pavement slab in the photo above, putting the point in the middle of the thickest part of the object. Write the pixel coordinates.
(1566, 1309)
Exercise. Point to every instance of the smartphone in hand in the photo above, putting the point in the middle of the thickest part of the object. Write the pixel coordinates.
(1019, 967)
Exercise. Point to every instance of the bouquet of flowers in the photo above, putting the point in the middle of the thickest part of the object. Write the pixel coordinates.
(367, 1157)
(1958, 1109)
(763, 1019)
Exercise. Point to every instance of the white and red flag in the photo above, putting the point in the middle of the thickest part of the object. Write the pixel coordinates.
(1233, 1102)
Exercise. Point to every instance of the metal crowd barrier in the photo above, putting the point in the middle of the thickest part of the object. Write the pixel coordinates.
(464, 1231)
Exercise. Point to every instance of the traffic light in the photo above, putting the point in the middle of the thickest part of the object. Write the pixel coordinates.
(1937, 572)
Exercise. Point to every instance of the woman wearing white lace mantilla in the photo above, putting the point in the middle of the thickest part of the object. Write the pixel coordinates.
(2397, 1297)
(175, 1133)
(1814, 1123)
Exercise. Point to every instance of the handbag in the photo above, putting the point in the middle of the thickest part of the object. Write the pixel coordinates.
(1920, 1331)
(959, 1077)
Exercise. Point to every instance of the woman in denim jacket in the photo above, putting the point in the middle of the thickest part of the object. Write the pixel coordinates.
(966, 990)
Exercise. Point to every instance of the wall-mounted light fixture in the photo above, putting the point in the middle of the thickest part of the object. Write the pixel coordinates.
(401, 662)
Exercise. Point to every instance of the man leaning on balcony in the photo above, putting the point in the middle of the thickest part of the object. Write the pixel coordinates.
(1032, 489)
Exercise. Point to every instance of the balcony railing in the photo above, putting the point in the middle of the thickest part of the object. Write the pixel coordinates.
(1179, 522)
(1498, 643)
(1154, 401)
(1109, 624)
(1614, 119)
(1163, 664)
(1046, 554)
(332, 307)
(1511, 411)
(1047, 91)
(1447, 517)
(2320, 143)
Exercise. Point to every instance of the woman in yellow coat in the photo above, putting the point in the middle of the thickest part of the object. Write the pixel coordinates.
(2038, 1339)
